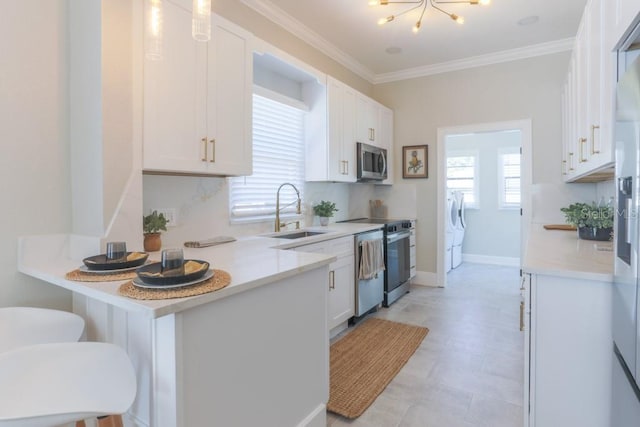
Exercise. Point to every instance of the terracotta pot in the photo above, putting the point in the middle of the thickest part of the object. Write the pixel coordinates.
(152, 242)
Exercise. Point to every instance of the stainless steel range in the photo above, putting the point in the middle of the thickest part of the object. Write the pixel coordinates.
(396, 256)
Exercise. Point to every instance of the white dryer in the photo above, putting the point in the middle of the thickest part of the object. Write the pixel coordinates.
(458, 232)
(451, 219)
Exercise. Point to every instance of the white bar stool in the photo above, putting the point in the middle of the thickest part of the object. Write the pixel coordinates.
(21, 326)
(46, 385)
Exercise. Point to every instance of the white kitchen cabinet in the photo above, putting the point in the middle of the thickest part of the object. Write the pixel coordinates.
(368, 120)
(197, 99)
(341, 112)
(340, 281)
(337, 119)
(330, 146)
(386, 140)
(588, 100)
(568, 350)
(625, 14)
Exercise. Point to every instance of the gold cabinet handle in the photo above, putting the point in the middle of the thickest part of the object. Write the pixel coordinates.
(593, 139)
(564, 167)
(213, 150)
(521, 315)
(332, 279)
(581, 142)
(204, 141)
(571, 162)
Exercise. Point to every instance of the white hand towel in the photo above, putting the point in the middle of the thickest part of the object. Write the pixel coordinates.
(371, 259)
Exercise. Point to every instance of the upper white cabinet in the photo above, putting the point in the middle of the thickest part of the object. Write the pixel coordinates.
(339, 118)
(587, 100)
(623, 15)
(368, 120)
(197, 99)
(386, 139)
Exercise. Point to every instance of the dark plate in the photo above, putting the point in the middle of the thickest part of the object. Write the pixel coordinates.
(156, 267)
(100, 262)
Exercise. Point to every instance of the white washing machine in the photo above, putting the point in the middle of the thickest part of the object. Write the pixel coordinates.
(458, 232)
(451, 218)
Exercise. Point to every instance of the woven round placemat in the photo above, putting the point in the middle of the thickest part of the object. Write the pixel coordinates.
(82, 276)
(219, 280)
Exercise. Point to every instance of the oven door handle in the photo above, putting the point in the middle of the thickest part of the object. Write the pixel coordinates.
(394, 237)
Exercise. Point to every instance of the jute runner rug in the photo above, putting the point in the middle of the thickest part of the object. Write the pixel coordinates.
(365, 360)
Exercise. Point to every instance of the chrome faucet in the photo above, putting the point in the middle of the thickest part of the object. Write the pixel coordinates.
(298, 210)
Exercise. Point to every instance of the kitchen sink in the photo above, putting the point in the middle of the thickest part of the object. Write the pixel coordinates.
(298, 235)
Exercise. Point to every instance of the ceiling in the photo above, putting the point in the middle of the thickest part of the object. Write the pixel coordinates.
(347, 30)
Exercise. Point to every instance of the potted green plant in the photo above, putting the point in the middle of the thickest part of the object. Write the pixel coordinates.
(592, 221)
(152, 225)
(324, 210)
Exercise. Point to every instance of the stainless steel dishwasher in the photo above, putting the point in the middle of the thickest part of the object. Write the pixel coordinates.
(369, 293)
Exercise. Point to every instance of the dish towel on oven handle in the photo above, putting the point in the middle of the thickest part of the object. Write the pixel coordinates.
(371, 259)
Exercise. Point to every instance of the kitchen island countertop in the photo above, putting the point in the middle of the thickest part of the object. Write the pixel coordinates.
(561, 253)
(251, 261)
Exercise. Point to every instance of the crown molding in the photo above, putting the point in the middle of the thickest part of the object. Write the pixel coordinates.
(531, 51)
(297, 28)
(272, 12)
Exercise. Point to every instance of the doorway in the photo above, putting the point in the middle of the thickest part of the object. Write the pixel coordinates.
(493, 148)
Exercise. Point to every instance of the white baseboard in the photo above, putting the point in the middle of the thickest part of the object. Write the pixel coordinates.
(425, 278)
(487, 259)
(317, 418)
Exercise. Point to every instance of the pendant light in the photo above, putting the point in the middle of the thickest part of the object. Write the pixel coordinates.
(201, 22)
(153, 29)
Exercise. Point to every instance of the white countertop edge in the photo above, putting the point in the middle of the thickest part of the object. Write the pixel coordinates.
(57, 249)
(560, 253)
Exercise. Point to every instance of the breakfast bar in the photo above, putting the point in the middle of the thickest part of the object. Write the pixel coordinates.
(252, 353)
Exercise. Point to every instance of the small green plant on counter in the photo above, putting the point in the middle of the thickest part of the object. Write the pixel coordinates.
(325, 209)
(588, 215)
(154, 223)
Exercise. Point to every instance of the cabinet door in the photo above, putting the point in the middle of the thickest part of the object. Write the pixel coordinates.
(229, 106)
(175, 99)
(341, 102)
(626, 14)
(341, 291)
(367, 120)
(386, 140)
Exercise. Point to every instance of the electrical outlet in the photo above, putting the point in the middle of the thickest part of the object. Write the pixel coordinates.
(170, 214)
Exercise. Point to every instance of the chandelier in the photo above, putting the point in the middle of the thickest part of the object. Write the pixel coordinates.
(422, 4)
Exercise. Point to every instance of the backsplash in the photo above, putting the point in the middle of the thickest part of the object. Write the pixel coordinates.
(201, 205)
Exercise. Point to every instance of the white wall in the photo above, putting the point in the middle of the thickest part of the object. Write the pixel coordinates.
(34, 166)
(515, 90)
(490, 230)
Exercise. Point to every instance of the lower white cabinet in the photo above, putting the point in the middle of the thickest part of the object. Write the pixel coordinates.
(568, 351)
(341, 278)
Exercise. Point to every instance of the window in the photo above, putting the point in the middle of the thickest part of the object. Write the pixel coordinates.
(509, 178)
(278, 157)
(461, 176)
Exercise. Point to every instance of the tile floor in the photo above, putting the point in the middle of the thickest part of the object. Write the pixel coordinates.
(468, 371)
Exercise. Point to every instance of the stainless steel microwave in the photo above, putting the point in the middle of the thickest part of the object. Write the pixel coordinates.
(372, 163)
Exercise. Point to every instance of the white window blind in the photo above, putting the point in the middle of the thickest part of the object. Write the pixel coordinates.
(461, 176)
(278, 157)
(509, 178)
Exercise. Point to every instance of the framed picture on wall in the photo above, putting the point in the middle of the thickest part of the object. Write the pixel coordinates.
(414, 161)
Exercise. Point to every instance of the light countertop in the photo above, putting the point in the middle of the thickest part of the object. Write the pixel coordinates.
(561, 253)
(251, 261)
